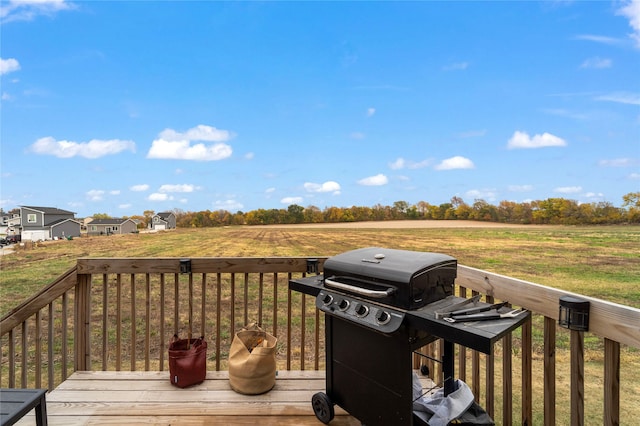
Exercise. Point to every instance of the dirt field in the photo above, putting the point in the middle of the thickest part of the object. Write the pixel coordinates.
(408, 224)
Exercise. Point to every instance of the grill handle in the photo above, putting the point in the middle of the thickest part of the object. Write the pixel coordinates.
(376, 294)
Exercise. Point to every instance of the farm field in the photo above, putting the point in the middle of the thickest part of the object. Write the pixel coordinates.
(601, 262)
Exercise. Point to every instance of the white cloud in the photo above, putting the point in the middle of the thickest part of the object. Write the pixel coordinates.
(124, 206)
(228, 205)
(292, 200)
(357, 135)
(483, 194)
(95, 195)
(177, 188)
(568, 189)
(177, 146)
(456, 162)
(329, 186)
(618, 162)
(156, 196)
(139, 188)
(621, 97)
(631, 10)
(401, 163)
(114, 192)
(95, 148)
(198, 133)
(6, 96)
(377, 180)
(634, 176)
(398, 164)
(598, 195)
(249, 156)
(371, 112)
(598, 39)
(270, 190)
(8, 65)
(520, 188)
(27, 10)
(523, 140)
(597, 63)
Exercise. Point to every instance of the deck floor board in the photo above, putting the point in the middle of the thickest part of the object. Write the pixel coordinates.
(148, 398)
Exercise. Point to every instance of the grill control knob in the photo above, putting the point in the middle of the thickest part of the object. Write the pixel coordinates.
(327, 299)
(383, 317)
(343, 305)
(362, 310)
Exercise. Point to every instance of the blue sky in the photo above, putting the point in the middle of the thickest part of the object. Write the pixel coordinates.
(121, 107)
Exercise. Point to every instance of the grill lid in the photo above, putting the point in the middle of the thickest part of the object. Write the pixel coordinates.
(386, 265)
(402, 278)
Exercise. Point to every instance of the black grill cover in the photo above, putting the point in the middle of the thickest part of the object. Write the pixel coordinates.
(418, 278)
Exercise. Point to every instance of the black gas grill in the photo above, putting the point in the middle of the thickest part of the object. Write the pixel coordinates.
(382, 305)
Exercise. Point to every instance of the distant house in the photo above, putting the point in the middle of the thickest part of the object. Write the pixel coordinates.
(162, 221)
(47, 223)
(111, 226)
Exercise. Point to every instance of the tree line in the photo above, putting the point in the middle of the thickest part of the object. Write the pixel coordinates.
(553, 211)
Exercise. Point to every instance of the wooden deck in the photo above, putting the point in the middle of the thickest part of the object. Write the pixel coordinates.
(144, 398)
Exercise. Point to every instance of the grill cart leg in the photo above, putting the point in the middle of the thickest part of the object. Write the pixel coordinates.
(322, 407)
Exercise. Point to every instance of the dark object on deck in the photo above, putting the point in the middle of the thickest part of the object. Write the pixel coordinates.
(15, 403)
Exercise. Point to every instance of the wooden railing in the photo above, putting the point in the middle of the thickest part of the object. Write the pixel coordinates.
(119, 314)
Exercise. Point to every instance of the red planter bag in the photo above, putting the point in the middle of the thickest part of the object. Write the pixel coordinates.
(187, 361)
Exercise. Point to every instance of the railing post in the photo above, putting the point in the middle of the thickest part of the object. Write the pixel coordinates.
(81, 323)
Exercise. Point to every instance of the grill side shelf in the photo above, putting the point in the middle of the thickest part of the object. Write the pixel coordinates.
(477, 335)
(308, 285)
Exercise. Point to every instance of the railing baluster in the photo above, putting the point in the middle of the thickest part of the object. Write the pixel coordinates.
(38, 364)
(133, 323)
(12, 359)
(232, 309)
(246, 298)
(162, 320)
(260, 296)
(23, 344)
(549, 371)
(203, 305)
(147, 323)
(275, 304)
(50, 344)
(218, 317)
(176, 303)
(289, 329)
(105, 318)
(303, 331)
(577, 378)
(316, 364)
(507, 381)
(490, 377)
(527, 369)
(118, 322)
(65, 325)
(190, 329)
(462, 351)
(611, 383)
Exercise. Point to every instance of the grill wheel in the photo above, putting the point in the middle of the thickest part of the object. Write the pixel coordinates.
(322, 407)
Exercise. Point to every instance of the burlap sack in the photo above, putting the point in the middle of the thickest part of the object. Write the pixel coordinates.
(252, 361)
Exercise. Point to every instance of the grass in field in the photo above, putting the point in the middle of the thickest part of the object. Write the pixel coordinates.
(602, 262)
